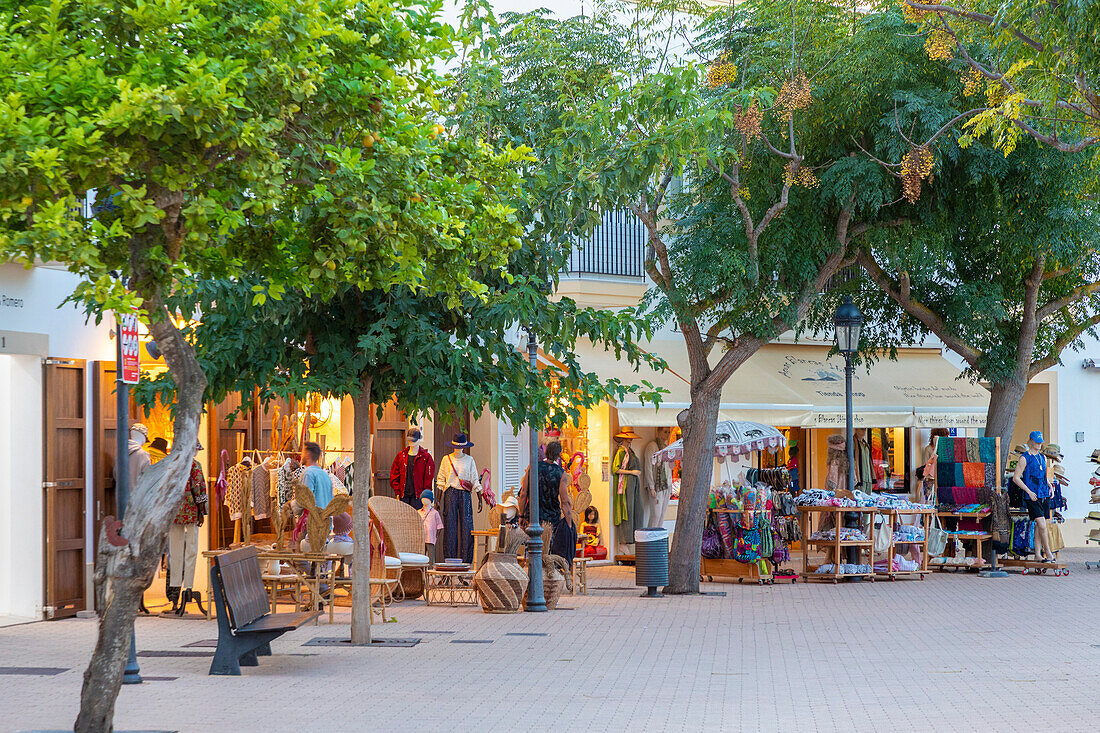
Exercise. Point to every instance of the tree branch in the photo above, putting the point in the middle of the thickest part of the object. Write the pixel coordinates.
(924, 314)
(1077, 295)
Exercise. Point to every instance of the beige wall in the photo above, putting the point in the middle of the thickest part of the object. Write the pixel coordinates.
(600, 293)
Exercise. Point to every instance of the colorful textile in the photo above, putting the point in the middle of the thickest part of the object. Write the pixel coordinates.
(973, 454)
(945, 474)
(973, 473)
(987, 450)
(195, 489)
(959, 448)
(945, 450)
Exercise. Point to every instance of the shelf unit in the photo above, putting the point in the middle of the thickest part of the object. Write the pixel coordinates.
(895, 516)
(759, 571)
(836, 544)
(977, 536)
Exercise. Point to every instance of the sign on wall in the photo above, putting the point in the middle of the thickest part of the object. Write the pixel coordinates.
(128, 332)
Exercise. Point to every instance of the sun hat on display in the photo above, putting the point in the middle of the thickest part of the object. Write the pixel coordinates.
(139, 428)
(627, 434)
(1052, 450)
(461, 440)
(1019, 448)
(836, 440)
(509, 507)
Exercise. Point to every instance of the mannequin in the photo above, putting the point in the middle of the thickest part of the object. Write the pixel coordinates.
(628, 502)
(458, 478)
(412, 470)
(183, 542)
(649, 483)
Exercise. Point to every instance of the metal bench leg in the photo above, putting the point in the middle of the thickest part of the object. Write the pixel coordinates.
(248, 659)
(264, 650)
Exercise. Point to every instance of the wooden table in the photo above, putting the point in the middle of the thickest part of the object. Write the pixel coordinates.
(305, 577)
(925, 518)
(837, 544)
(454, 587)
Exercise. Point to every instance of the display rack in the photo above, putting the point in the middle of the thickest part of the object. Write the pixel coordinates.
(895, 516)
(759, 571)
(978, 537)
(838, 545)
(1023, 564)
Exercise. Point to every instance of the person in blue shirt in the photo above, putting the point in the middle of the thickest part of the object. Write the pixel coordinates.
(1033, 477)
(314, 477)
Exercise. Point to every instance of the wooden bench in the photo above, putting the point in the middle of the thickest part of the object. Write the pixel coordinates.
(245, 624)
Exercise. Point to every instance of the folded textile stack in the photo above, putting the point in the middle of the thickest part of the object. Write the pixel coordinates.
(847, 534)
(845, 569)
(908, 533)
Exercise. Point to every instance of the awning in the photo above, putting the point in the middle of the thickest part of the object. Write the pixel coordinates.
(799, 385)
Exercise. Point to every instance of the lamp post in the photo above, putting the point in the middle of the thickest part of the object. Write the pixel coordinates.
(132, 673)
(536, 601)
(847, 321)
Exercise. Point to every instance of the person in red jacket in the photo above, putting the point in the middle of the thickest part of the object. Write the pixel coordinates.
(408, 484)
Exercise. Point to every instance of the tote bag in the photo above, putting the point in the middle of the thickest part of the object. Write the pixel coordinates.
(937, 538)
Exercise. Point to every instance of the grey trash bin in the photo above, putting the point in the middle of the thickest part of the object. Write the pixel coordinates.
(651, 559)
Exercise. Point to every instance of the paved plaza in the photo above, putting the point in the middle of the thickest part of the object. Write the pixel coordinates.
(951, 653)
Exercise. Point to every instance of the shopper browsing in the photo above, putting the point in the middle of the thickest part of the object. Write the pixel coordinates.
(1033, 477)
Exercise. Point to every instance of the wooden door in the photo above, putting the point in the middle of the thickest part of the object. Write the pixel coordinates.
(389, 440)
(64, 480)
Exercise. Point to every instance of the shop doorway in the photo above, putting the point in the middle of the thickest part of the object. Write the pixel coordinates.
(389, 440)
(64, 480)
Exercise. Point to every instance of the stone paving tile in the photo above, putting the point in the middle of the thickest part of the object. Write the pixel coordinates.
(951, 653)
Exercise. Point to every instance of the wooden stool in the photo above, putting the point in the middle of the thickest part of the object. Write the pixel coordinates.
(580, 575)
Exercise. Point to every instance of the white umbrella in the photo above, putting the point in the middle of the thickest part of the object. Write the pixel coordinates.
(733, 438)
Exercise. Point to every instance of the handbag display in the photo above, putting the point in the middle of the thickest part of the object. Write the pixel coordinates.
(937, 538)
(712, 543)
(884, 531)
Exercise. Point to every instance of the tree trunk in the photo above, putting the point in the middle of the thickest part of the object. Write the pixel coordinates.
(360, 518)
(1004, 403)
(699, 423)
(123, 573)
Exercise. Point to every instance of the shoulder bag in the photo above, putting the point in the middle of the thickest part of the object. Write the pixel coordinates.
(937, 538)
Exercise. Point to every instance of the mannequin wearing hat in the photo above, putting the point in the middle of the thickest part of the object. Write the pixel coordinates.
(432, 523)
(412, 470)
(627, 500)
(458, 477)
(1033, 476)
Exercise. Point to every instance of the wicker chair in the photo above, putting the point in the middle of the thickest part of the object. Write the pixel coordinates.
(405, 528)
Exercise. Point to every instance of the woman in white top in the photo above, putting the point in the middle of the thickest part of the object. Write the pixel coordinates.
(457, 479)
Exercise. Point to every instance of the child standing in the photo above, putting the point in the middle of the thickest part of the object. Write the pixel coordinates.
(432, 523)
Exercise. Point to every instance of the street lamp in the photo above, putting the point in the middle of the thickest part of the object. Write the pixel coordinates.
(847, 320)
(536, 600)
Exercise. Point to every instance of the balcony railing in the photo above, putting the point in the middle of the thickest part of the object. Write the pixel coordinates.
(616, 247)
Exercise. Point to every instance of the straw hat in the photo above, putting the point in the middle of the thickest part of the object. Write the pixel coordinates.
(1052, 450)
(1058, 470)
(1019, 449)
(627, 434)
(836, 440)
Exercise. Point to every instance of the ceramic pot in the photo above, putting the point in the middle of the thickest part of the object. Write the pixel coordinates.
(500, 583)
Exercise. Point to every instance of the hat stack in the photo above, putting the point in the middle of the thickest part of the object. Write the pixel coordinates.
(1053, 451)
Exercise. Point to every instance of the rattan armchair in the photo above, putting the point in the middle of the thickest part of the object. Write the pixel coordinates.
(404, 526)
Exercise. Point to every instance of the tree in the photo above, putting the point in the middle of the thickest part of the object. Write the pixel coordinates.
(1037, 64)
(376, 346)
(294, 141)
(711, 132)
(1005, 272)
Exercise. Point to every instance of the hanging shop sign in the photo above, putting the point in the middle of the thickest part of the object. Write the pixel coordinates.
(131, 343)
